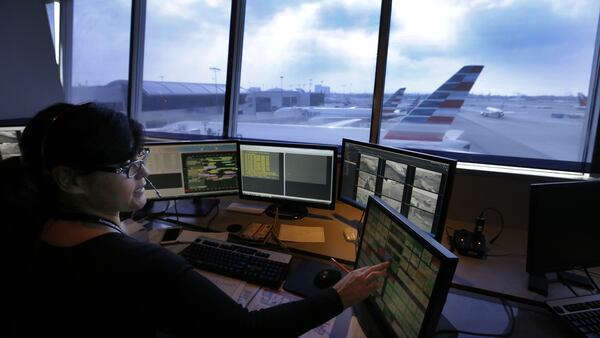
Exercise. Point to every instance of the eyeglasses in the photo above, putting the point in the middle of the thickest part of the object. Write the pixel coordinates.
(130, 169)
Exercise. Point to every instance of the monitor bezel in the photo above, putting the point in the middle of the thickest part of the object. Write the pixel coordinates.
(439, 232)
(330, 206)
(531, 265)
(448, 263)
(153, 197)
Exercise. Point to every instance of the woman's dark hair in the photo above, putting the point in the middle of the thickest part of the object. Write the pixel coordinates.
(85, 137)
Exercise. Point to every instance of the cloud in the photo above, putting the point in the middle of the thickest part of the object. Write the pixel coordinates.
(294, 43)
(573, 8)
(187, 9)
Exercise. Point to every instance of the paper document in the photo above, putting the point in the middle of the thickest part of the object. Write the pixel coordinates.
(295, 233)
(248, 293)
(267, 298)
(231, 286)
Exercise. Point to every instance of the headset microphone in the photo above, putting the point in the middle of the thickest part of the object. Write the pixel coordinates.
(153, 187)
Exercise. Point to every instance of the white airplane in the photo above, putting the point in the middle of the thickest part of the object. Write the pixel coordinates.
(323, 114)
(426, 126)
(492, 112)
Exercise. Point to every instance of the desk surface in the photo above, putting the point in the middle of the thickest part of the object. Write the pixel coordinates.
(334, 246)
(501, 272)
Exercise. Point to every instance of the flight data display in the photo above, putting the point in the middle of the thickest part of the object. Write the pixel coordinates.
(260, 164)
(209, 172)
(405, 295)
(416, 185)
(300, 173)
(193, 169)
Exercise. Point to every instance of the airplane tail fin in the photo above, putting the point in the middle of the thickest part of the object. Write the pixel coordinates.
(431, 118)
(392, 103)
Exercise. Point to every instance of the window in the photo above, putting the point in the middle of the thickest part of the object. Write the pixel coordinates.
(522, 101)
(185, 66)
(309, 66)
(97, 69)
(481, 82)
(53, 10)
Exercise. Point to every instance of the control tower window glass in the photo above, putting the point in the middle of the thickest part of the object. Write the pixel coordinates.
(518, 99)
(308, 70)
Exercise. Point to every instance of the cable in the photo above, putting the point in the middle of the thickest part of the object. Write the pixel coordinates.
(511, 325)
(501, 222)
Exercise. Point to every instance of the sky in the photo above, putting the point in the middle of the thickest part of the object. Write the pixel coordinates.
(529, 47)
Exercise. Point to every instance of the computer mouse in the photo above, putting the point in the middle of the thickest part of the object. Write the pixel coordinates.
(327, 277)
(234, 228)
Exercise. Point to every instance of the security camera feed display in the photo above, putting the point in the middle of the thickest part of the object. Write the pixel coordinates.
(9, 142)
(414, 184)
(405, 296)
(192, 169)
(293, 173)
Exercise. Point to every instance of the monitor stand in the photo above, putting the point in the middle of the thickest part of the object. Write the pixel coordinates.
(196, 206)
(287, 211)
(538, 283)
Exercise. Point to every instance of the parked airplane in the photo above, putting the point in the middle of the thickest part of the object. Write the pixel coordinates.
(324, 114)
(427, 126)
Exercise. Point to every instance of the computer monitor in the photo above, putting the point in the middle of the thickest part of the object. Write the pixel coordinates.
(563, 229)
(415, 184)
(192, 171)
(293, 176)
(410, 302)
(9, 141)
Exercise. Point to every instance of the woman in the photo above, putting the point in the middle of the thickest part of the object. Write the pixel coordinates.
(91, 279)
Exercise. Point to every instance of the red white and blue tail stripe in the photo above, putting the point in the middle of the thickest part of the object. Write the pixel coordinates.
(430, 120)
(393, 102)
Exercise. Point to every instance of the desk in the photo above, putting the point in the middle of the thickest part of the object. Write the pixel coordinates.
(335, 245)
(503, 270)
(465, 309)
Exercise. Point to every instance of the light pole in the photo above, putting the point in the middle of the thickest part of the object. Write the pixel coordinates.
(215, 69)
(281, 79)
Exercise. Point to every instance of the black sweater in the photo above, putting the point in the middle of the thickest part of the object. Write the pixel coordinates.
(114, 285)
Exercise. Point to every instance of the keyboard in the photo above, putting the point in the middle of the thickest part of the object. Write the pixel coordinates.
(581, 313)
(259, 266)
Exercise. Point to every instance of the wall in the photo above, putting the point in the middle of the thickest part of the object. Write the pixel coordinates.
(509, 193)
(29, 75)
